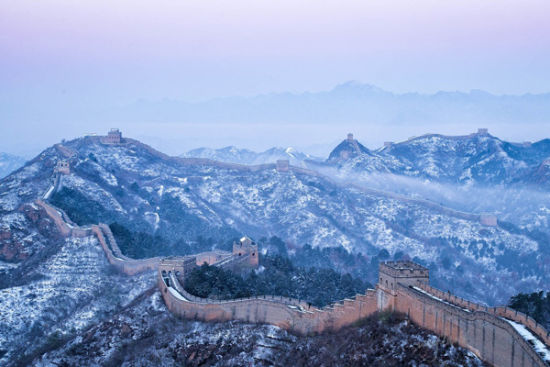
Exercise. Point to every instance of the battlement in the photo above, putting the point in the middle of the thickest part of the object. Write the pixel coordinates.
(212, 257)
(404, 269)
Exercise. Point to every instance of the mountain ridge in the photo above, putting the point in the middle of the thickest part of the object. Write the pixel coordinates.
(478, 157)
(179, 200)
(350, 102)
(232, 154)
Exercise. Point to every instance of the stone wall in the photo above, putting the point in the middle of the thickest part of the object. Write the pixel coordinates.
(56, 216)
(287, 313)
(122, 263)
(486, 334)
(484, 331)
(505, 312)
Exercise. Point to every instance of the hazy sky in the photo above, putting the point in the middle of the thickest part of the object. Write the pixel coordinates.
(104, 51)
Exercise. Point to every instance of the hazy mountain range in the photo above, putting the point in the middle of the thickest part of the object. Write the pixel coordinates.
(351, 102)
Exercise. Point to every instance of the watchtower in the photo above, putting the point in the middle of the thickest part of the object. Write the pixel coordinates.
(483, 131)
(392, 273)
(114, 136)
(282, 165)
(350, 137)
(247, 247)
(62, 167)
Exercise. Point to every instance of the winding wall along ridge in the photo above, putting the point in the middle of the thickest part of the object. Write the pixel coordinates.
(484, 331)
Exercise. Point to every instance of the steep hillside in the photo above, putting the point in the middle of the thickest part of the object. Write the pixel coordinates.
(175, 206)
(57, 292)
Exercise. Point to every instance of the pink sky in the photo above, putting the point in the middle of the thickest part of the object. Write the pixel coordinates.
(201, 49)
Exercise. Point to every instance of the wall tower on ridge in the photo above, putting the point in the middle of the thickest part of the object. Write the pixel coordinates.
(114, 136)
(246, 246)
(391, 273)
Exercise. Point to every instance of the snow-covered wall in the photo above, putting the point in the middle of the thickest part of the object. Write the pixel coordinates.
(487, 332)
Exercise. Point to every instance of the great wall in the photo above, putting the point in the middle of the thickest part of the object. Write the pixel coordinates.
(499, 336)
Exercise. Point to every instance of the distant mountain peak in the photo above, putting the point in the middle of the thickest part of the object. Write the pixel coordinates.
(476, 158)
(355, 87)
(232, 154)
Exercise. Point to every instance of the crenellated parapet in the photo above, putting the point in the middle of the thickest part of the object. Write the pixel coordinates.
(288, 313)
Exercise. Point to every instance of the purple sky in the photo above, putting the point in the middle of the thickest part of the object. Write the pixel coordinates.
(94, 52)
(201, 49)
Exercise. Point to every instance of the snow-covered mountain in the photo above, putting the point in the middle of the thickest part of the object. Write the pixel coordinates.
(172, 204)
(9, 163)
(53, 289)
(233, 154)
(478, 158)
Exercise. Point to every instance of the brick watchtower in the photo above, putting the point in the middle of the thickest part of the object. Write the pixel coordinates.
(63, 167)
(113, 137)
(391, 273)
(247, 247)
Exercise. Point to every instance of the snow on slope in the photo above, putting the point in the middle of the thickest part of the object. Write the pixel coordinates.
(233, 154)
(178, 200)
(477, 158)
